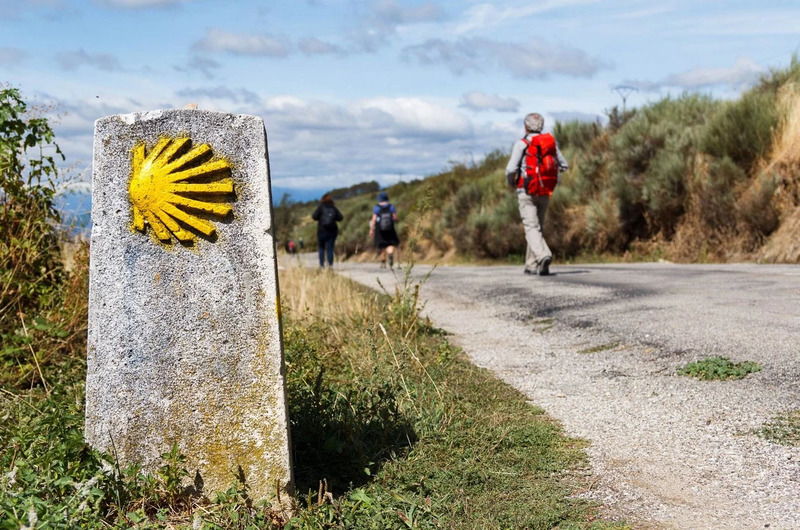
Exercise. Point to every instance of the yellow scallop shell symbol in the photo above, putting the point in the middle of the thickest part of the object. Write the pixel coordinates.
(164, 189)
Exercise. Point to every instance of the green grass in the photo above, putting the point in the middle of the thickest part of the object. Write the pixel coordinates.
(392, 428)
(599, 348)
(719, 368)
(783, 429)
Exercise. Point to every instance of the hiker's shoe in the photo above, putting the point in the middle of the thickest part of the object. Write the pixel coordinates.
(543, 267)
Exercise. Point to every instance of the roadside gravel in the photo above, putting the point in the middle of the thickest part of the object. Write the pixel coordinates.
(666, 450)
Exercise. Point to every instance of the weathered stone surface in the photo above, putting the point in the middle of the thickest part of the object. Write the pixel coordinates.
(184, 341)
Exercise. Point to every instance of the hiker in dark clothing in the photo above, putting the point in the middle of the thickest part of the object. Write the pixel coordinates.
(326, 215)
(381, 227)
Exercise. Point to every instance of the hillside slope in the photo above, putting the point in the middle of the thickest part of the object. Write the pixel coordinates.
(687, 179)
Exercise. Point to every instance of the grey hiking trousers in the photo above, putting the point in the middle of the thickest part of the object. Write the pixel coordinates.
(532, 210)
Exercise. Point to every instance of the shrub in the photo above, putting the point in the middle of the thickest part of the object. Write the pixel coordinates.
(743, 129)
(651, 156)
(756, 209)
(577, 135)
(30, 263)
(29, 255)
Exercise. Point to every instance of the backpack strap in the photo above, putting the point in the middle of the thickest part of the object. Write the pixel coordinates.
(525, 179)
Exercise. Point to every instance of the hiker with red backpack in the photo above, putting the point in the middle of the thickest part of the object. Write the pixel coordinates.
(381, 228)
(532, 171)
(326, 215)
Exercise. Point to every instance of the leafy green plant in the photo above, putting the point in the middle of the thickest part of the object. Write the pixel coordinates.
(719, 368)
(30, 266)
(783, 429)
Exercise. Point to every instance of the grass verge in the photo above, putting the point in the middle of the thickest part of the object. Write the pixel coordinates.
(392, 428)
(719, 368)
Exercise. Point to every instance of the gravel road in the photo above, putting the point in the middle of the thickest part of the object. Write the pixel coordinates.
(598, 347)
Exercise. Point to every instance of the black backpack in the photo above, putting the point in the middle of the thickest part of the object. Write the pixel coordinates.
(385, 218)
(327, 217)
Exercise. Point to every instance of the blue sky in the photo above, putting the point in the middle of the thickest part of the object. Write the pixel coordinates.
(355, 90)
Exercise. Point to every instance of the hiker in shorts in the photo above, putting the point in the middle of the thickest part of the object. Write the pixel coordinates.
(381, 228)
(326, 215)
(532, 171)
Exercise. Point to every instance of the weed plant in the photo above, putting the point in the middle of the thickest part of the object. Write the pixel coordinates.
(784, 429)
(719, 368)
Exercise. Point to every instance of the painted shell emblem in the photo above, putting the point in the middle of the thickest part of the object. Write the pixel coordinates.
(175, 187)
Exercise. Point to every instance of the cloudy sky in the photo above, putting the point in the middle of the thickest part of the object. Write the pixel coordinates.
(354, 90)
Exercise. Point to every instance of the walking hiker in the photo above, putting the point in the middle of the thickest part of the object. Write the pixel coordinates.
(533, 171)
(326, 215)
(381, 228)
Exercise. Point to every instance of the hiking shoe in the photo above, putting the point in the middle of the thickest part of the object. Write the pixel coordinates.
(543, 267)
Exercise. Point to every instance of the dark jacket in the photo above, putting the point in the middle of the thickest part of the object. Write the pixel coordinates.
(333, 228)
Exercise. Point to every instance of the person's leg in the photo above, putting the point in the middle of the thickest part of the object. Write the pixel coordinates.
(331, 242)
(547, 256)
(390, 255)
(321, 250)
(537, 248)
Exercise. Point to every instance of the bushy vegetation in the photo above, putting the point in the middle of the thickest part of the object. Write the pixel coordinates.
(688, 178)
(32, 280)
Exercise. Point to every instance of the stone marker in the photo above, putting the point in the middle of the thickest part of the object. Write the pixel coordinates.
(184, 325)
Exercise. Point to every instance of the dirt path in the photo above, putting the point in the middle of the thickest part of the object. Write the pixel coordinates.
(598, 347)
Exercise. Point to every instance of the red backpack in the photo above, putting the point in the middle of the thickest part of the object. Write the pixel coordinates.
(540, 174)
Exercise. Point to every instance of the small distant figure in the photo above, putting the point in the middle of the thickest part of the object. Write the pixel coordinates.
(327, 216)
(382, 229)
(532, 171)
(291, 246)
(301, 244)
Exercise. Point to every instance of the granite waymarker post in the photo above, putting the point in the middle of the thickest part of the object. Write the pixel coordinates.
(184, 328)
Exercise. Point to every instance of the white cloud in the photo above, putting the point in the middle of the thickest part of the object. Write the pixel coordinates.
(315, 46)
(217, 40)
(73, 60)
(240, 95)
(479, 101)
(416, 116)
(197, 63)
(392, 13)
(383, 18)
(11, 56)
(743, 73)
(531, 60)
(486, 16)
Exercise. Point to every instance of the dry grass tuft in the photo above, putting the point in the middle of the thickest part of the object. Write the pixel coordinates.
(786, 147)
(319, 295)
